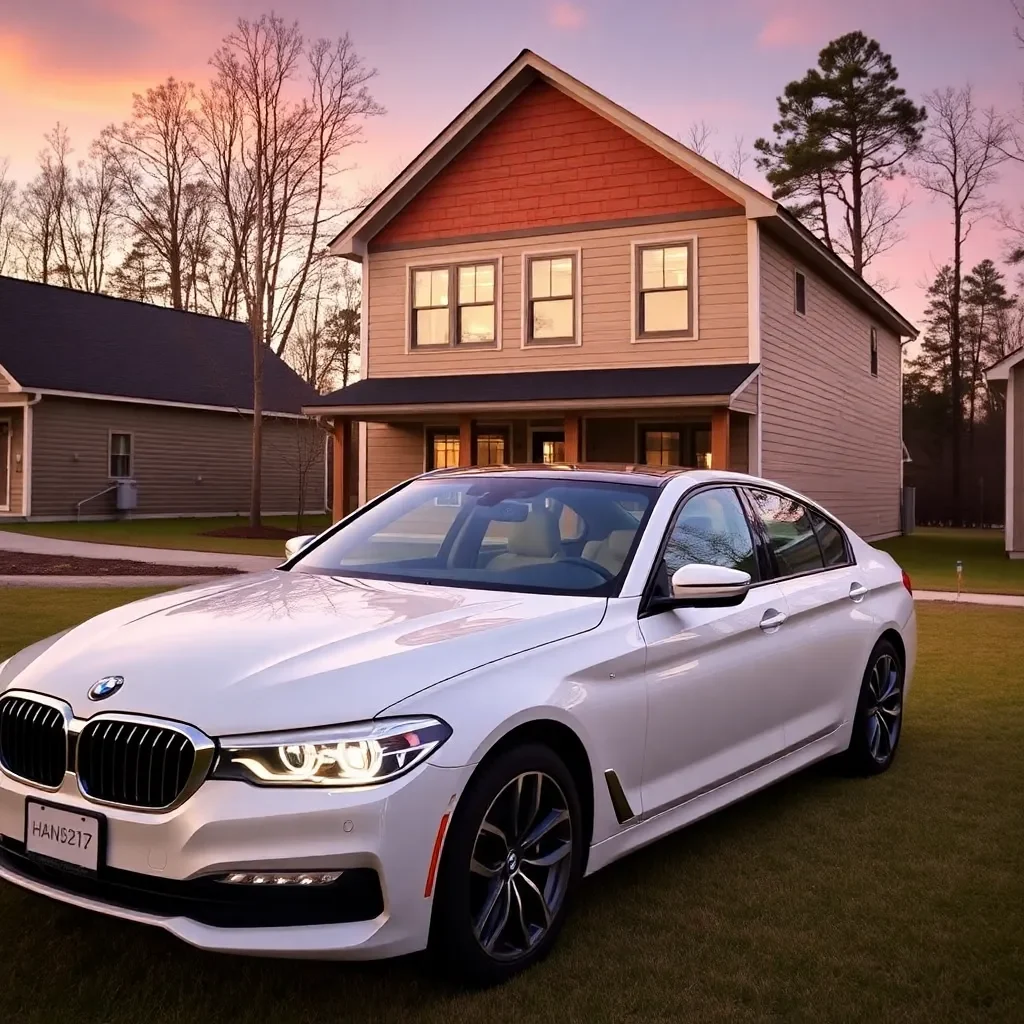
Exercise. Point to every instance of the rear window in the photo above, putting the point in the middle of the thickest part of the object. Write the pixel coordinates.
(790, 532)
(833, 546)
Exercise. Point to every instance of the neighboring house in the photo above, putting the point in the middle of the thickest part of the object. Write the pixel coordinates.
(96, 390)
(552, 279)
(1007, 377)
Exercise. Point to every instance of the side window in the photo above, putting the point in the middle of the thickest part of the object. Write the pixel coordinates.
(711, 529)
(790, 532)
(833, 546)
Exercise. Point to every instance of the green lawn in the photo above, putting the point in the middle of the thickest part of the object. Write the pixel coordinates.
(186, 534)
(930, 555)
(899, 898)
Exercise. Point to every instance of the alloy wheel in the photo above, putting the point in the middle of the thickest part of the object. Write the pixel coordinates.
(520, 866)
(885, 708)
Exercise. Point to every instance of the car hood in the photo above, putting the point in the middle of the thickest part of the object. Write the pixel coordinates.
(284, 650)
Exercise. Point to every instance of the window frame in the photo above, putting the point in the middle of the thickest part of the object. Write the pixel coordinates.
(505, 429)
(775, 574)
(684, 427)
(429, 433)
(6, 451)
(111, 434)
(798, 276)
(526, 325)
(637, 249)
(874, 351)
(757, 578)
(454, 306)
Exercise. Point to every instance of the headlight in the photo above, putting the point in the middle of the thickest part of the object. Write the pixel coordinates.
(363, 754)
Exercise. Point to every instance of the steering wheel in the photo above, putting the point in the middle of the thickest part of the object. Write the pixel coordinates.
(593, 566)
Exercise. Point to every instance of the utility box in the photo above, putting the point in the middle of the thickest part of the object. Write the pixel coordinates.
(909, 511)
(127, 495)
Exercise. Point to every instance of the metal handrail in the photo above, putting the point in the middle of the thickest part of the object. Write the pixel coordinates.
(85, 501)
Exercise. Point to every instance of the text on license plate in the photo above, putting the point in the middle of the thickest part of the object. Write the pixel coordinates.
(63, 835)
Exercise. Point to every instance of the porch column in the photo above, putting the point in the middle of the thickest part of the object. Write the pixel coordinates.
(720, 438)
(572, 438)
(341, 459)
(466, 441)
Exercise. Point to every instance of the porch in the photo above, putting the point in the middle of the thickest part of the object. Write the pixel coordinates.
(705, 417)
(12, 458)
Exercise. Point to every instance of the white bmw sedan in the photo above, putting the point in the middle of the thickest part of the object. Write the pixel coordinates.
(426, 726)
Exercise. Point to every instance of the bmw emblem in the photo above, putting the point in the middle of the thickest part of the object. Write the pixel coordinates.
(105, 687)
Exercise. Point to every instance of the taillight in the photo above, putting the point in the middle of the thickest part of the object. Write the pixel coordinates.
(907, 583)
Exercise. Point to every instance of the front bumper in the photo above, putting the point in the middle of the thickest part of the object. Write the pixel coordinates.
(158, 868)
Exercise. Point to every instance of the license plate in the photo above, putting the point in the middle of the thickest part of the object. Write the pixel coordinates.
(62, 835)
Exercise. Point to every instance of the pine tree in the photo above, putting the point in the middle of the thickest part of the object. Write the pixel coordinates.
(843, 129)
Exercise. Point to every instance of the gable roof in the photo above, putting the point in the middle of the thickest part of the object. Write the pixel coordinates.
(1001, 370)
(525, 70)
(59, 340)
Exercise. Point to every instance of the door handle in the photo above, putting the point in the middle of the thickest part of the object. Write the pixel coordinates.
(857, 592)
(771, 620)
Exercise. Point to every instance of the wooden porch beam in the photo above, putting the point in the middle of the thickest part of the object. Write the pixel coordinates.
(720, 438)
(466, 441)
(572, 438)
(341, 460)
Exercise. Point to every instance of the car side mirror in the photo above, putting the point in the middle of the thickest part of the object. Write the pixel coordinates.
(704, 586)
(296, 544)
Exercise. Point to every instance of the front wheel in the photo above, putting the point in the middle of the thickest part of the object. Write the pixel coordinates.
(511, 861)
(879, 719)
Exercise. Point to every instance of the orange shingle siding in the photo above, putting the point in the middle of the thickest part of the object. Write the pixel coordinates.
(547, 160)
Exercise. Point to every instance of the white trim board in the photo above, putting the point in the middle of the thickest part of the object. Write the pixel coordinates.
(1012, 543)
(753, 292)
(53, 393)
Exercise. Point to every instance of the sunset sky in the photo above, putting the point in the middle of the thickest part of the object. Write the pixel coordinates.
(670, 61)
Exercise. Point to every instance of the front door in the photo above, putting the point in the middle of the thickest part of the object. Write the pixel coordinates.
(713, 674)
(5, 465)
(548, 446)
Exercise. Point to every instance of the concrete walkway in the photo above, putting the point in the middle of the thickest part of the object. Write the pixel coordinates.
(31, 544)
(76, 582)
(1001, 600)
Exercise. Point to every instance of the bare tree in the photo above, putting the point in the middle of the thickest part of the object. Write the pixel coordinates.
(8, 218)
(326, 338)
(962, 147)
(271, 161)
(880, 229)
(88, 220)
(698, 137)
(41, 238)
(154, 158)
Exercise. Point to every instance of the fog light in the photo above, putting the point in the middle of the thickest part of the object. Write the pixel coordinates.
(282, 878)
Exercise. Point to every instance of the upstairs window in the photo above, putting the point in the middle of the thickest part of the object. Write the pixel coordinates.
(120, 456)
(665, 295)
(874, 352)
(551, 299)
(800, 293)
(454, 305)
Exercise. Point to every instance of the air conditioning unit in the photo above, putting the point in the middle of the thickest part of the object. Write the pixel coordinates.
(127, 495)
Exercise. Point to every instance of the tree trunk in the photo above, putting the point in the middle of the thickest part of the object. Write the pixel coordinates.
(857, 234)
(255, 496)
(956, 376)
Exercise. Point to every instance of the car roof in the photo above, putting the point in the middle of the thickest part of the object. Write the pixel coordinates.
(616, 472)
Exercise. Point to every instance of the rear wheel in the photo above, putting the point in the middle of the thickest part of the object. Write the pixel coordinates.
(879, 718)
(511, 862)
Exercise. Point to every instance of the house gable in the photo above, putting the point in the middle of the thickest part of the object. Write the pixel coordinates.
(545, 161)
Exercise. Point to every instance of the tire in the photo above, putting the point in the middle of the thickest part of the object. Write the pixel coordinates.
(878, 723)
(471, 945)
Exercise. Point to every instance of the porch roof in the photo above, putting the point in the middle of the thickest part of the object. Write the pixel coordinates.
(713, 383)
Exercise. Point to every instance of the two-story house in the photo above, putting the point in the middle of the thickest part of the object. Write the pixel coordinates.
(554, 280)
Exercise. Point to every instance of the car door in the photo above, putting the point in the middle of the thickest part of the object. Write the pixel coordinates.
(713, 674)
(828, 623)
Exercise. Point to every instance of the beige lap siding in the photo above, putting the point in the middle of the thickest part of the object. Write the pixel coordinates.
(394, 452)
(829, 428)
(606, 258)
(171, 449)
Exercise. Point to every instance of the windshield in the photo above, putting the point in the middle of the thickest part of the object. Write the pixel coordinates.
(502, 533)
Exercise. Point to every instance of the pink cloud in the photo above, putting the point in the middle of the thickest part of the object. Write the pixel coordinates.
(567, 16)
(788, 30)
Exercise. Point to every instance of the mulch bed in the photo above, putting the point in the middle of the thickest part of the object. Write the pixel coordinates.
(18, 563)
(252, 533)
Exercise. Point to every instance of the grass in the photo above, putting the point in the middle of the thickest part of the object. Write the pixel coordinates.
(186, 534)
(930, 555)
(899, 898)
